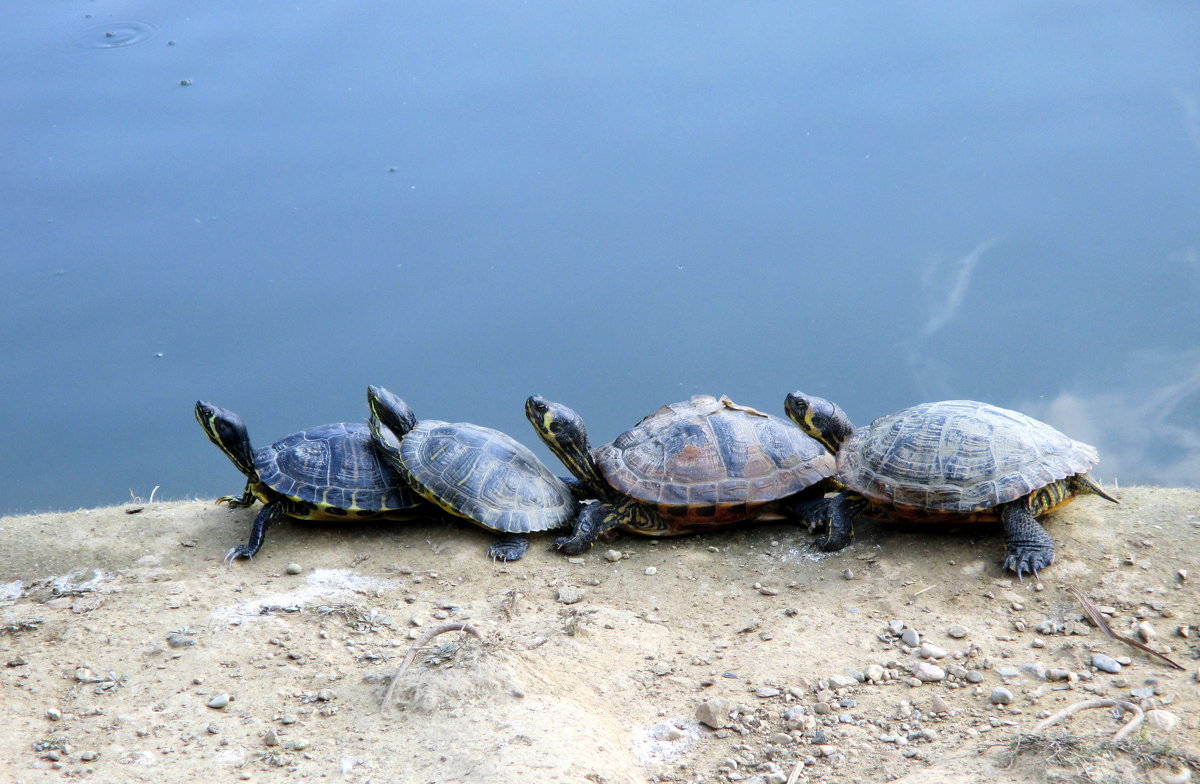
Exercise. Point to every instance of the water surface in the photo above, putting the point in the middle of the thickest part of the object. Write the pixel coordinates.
(272, 205)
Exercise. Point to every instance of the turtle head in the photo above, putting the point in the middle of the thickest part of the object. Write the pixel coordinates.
(561, 429)
(392, 412)
(227, 430)
(822, 419)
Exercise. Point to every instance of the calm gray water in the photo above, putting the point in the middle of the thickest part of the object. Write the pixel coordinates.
(615, 205)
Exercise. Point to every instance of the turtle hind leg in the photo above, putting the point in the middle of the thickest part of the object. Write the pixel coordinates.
(594, 520)
(1030, 548)
(267, 517)
(508, 547)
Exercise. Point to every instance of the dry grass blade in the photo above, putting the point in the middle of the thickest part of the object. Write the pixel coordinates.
(417, 645)
(1094, 613)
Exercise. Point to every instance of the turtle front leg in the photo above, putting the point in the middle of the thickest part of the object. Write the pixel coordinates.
(267, 517)
(836, 516)
(236, 502)
(508, 547)
(1030, 548)
(594, 519)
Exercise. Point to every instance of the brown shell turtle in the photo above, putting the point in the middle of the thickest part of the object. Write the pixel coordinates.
(702, 464)
(953, 461)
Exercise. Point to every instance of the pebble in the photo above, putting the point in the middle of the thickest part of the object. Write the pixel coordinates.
(938, 705)
(1001, 696)
(1057, 674)
(848, 574)
(767, 693)
(89, 756)
(325, 695)
(270, 738)
(54, 714)
(911, 638)
(957, 632)
(1038, 642)
(1036, 669)
(929, 673)
(296, 745)
(895, 627)
(974, 676)
(613, 556)
(713, 713)
(651, 570)
(179, 641)
(570, 595)
(667, 732)
(780, 739)
(576, 560)
(874, 673)
(1161, 720)
(292, 568)
(841, 681)
(218, 702)
(931, 651)
(1146, 632)
(1105, 663)
(1008, 671)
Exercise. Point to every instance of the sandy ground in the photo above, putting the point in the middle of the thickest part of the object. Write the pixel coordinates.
(123, 634)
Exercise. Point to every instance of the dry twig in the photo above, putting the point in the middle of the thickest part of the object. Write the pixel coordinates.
(1130, 727)
(417, 645)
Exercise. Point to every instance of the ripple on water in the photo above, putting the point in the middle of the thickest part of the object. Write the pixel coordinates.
(113, 35)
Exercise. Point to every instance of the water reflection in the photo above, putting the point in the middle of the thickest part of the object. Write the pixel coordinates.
(114, 35)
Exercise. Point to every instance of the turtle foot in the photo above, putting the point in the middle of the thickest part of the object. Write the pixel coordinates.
(241, 551)
(1028, 560)
(572, 546)
(832, 543)
(508, 548)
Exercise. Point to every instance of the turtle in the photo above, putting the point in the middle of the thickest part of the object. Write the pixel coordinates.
(330, 472)
(473, 472)
(950, 461)
(698, 465)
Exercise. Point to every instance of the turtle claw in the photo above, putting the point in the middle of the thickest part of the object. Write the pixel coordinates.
(571, 545)
(241, 551)
(1028, 561)
(508, 548)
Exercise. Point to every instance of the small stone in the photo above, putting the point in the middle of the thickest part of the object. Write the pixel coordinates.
(1008, 671)
(667, 732)
(1161, 720)
(938, 705)
(576, 560)
(214, 729)
(928, 673)
(292, 568)
(651, 570)
(957, 632)
(1146, 632)
(841, 681)
(713, 713)
(781, 739)
(1037, 643)
(54, 714)
(1036, 669)
(613, 556)
(767, 590)
(895, 627)
(1001, 696)
(911, 638)
(1105, 663)
(270, 738)
(219, 701)
(874, 673)
(974, 676)
(89, 755)
(1182, 575)
(931, 651)
(325, 695)
(848, 574)
(176, 640)
(570, 595)
(19, 660)
(296, 745)
(767, 692)
(1057, 674)
(821, 709)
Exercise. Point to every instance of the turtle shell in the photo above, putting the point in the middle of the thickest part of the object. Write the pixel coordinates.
(484, 475)
(958, 457)
(334, 467)
(710, 460)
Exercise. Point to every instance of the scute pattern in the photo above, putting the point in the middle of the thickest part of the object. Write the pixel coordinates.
(485, 475)
(334, 467)
(707, 452)
(958, 456)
